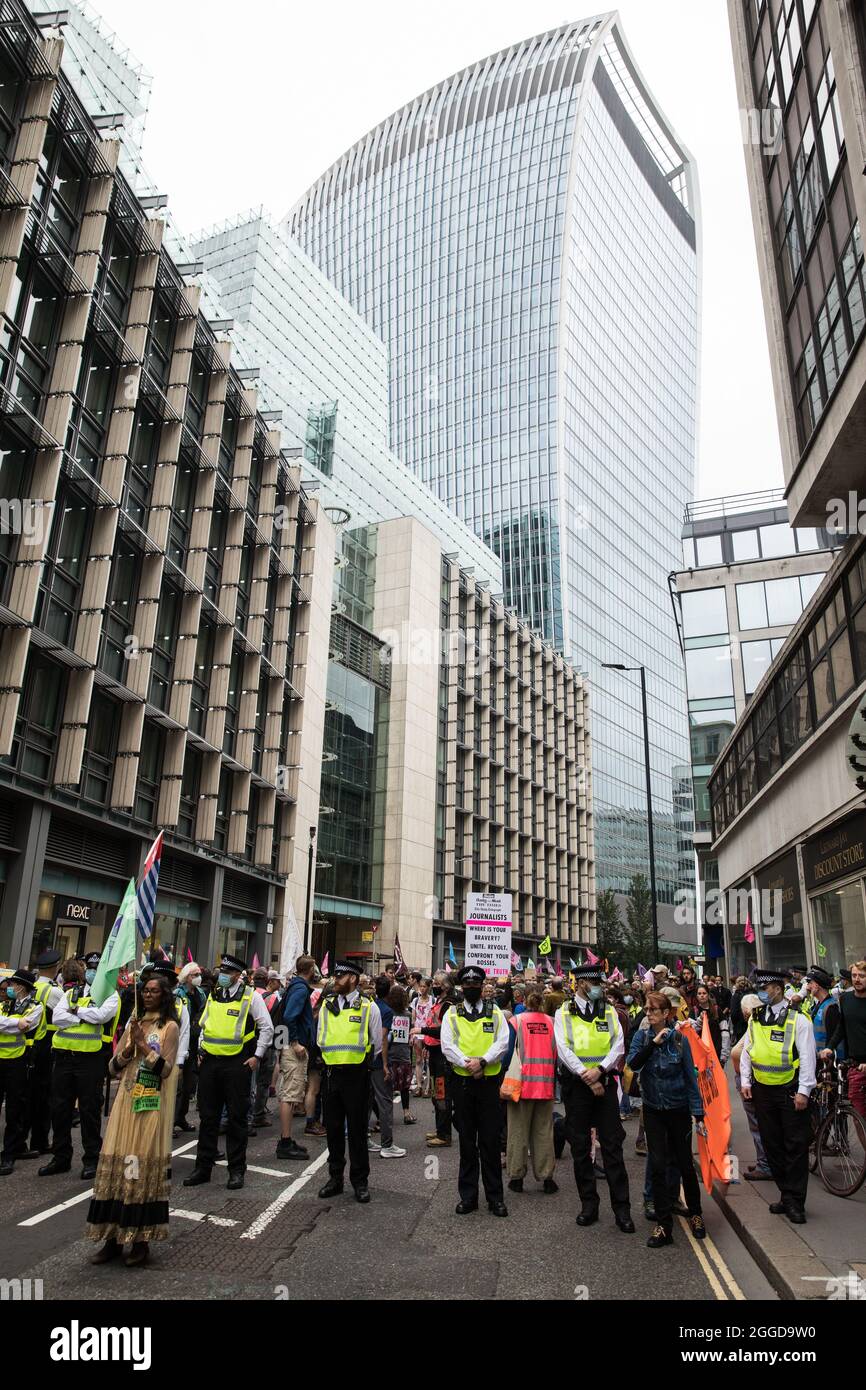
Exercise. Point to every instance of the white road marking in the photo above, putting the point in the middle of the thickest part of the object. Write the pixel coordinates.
(82, 1196)
(262, 1222)
(250, 1168)
(202, 1216)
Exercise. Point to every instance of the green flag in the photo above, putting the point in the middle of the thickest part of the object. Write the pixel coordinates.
(822, 949)
(530, 963)
(120, 949)
(545, 948)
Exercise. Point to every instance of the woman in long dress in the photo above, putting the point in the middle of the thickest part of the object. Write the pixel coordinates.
(129, 1206)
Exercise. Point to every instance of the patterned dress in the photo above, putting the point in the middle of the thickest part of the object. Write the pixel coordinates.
(133, 1179)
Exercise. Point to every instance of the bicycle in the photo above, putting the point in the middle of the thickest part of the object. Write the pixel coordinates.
(839, 1143)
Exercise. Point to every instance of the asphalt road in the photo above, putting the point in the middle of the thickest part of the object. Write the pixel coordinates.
(276, 1240)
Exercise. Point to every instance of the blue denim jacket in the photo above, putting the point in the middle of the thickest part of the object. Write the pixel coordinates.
(667, 1075)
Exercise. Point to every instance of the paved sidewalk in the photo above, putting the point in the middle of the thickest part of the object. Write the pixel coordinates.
(797, 1260)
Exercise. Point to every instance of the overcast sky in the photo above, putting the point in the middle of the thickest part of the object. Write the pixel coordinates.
(252, 101)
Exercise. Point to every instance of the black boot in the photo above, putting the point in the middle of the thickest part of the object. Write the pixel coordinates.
(287, 1148)
(333, 1187)
(197, 1177)
(48, 1170)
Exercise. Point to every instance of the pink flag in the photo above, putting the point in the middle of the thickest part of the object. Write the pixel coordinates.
(447, 968)
(255, 961)
(188, 954)
(749, 933)
(515, 960)
(590, 958)
(325, 963)
(558, 963)
(679, 963)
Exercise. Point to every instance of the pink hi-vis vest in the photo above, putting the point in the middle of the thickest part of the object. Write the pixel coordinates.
(536, 1047)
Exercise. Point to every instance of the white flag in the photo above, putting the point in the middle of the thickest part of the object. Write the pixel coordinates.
(291, 946)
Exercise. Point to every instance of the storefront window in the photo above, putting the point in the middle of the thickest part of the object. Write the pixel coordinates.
(840, 926)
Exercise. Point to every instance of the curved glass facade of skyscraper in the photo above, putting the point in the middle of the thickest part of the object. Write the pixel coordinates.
(523, 238)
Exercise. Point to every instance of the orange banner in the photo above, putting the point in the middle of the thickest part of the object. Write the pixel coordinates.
(713, 1086)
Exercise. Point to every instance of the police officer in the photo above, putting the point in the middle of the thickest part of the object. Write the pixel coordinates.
(590, 1044)
(823, 1009)
(475, 1040)
(49, 993)
(349, 1037)
(20, 1016)
(236, 1031)
(777, 1072)
(82, 1030)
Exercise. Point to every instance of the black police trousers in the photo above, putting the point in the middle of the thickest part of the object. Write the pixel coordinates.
(583, 1113)
(13, 1090)
(223, 1081)
(478, 1119)
(77, 1076)
(38, 1122)
(785, 1135)
(347, 1107)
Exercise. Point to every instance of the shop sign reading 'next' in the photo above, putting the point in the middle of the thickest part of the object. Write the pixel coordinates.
(488, 932)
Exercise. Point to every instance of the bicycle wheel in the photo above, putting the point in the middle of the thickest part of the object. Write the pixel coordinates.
(841, 1149)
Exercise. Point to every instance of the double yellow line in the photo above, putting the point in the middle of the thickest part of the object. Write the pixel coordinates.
(719, 1277)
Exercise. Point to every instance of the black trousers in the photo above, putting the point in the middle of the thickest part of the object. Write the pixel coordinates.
(77, 1076)
(440, 1085)
(186, 1087)
(583, 1113)
(785, 1134)
(223, 1081)
(38, 1115)
(478, 1118)
(669, 1140)
(13, 1089)
(347, 1107)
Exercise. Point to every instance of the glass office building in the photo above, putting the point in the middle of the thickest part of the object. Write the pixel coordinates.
(524, 239)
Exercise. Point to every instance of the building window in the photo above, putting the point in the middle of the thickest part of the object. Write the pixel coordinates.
(29, 335)
(93, 399)
(164, 647)
(745, 545)
(118, 619)
(59, 591)
(149, 772)
(708, 672)
(705, 613)
(100, 749)
(38, 721)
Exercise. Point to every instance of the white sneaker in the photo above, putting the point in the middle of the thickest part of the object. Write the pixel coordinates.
(393, 1151)
(372, 1145)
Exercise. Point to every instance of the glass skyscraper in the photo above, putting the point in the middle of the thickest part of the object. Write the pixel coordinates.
(524, 239)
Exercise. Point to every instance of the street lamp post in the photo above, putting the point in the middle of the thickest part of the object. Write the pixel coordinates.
(618, 666)
(309, 890)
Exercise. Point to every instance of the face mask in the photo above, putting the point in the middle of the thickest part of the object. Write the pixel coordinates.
(195, 979)
(763, 996)
(90, 976)
(11, 992)
(627, 999)
(437, 990)
(596, 992)
(472, 993)
(223, 980)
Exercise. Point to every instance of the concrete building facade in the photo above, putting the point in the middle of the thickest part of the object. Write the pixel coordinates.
(163, 575)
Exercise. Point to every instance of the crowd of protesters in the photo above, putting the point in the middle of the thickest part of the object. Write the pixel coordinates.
(608, 1050)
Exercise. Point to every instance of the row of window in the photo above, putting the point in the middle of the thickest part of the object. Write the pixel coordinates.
(817, 675)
